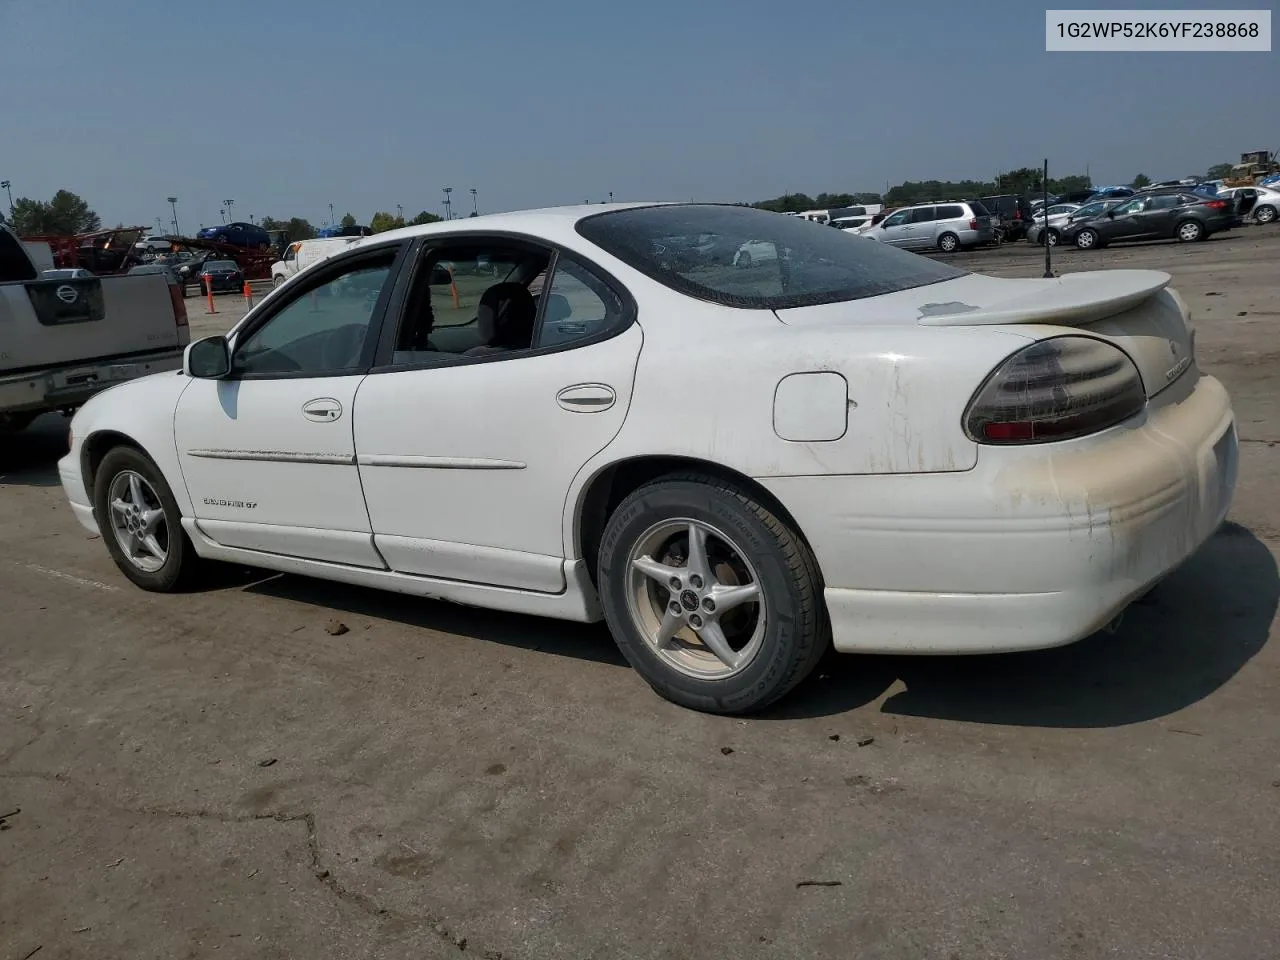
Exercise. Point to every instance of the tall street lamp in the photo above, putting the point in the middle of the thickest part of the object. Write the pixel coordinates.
(229, 204)
(475, 210)
(331, 220)
(8, 188)
(173, 205)
(448, 203)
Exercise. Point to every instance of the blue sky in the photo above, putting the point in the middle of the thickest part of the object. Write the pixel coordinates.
(370, 104)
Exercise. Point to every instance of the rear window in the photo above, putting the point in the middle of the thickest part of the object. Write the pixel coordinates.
(979, 209)
(15, 265)
(757, 259)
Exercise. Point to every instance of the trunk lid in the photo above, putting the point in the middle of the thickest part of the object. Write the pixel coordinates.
(46, 323)
(1134, 309)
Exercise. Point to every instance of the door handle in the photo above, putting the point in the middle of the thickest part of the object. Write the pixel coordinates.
(322, 410)
(587, 397)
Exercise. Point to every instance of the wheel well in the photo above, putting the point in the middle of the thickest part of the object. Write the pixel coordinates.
(615, 483)
(95, 447)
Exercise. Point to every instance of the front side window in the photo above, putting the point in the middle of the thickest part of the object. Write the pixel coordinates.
(1133, 206)
(323, 330)
(790, 263)
(897, 219)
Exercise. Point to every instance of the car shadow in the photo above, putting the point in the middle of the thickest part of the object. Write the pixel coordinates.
(562, 638)
(1190, 636)
(29, 458)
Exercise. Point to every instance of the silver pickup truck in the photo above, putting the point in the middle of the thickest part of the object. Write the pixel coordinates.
(61, 341)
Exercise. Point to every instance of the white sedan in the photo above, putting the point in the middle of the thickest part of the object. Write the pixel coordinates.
(735, 467)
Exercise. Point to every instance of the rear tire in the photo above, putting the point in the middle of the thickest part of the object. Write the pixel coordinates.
(151, 550)
(1189, 231)
(767, 644)
(948, 243)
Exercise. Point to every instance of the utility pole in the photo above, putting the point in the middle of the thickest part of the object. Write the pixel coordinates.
(331, 220)
(8, 188)
(448, 203)
(399, 211)
(475, 208)
(223, 214)
(229, 204)
(173, 205)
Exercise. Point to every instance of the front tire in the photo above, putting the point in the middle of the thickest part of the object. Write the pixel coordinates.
(1265, 214)
(1087, 240)
(712, 598)
(1051, 238)
(948, 243)
(141, 523)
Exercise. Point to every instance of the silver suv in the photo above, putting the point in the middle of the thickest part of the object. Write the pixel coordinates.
(956, 225)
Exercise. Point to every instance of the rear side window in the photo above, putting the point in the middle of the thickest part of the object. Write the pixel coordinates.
(951, 212)
(1165, 201)
(923, 215)
(578, 305)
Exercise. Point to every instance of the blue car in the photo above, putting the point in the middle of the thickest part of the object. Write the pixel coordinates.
(239, 234)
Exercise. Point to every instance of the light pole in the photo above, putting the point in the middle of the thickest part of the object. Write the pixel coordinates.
(229, 204)
(159, 226)
(475, 209)
(173, 205)
(399, 211)
(331, 220)
(223, 214)
(448, 203)
(8, 188)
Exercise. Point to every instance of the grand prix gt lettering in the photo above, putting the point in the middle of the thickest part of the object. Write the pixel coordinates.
(239, 504)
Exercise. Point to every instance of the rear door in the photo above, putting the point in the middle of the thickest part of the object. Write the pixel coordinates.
(919, 229)
(1159, 215)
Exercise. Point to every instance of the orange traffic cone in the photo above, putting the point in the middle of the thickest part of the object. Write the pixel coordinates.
(208, 289)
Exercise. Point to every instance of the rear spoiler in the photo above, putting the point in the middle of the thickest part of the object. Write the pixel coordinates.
(1074, 300)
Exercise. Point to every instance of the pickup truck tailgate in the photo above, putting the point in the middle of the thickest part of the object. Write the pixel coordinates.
(46, 323)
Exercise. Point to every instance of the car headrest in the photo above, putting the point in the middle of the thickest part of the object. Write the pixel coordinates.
(506, 315)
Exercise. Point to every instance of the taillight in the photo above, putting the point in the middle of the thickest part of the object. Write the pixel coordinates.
(973, 224)
(1056, 389)
(1216, 204)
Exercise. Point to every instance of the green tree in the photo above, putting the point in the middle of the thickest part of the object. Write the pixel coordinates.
(348, 220)
(1218, 171)
(1077, 181)
(65, 215)
(295, 228)
(424, 217)
(383, 221)
(1140, 181)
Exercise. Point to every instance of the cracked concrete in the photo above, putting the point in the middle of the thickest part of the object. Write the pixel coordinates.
(214, 775)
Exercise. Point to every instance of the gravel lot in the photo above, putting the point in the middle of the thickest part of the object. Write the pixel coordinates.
(219, 775)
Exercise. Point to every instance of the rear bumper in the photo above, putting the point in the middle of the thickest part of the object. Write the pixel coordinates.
(71, 385)
(1035, 547)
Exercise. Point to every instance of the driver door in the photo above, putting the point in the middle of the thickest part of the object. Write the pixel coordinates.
(1126, 220)
(267, 452)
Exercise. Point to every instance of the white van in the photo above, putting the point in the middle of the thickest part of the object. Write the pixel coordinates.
(303, 253)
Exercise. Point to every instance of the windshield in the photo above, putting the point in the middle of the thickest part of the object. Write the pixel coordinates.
(757, 259)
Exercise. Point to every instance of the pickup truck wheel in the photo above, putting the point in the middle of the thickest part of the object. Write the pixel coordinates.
(712, 598)
(141, 522)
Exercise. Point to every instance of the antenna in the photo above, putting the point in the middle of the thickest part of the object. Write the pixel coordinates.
(1044, 185)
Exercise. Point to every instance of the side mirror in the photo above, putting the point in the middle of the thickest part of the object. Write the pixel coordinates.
(207, 359)
(440, 276)
(1111, 214)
